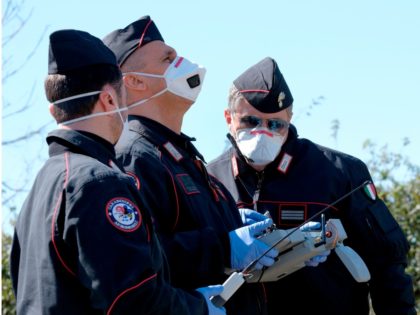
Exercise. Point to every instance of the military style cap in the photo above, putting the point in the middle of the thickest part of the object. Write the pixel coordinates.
(264, 87)
(73, 49)
(123, 42)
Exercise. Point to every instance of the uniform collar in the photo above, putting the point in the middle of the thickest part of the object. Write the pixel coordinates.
(108, 145)
(161, 135)
(64, 140)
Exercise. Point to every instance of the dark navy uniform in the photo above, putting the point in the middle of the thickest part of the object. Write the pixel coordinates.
(193, 211)
(84, 243)
(303, 180)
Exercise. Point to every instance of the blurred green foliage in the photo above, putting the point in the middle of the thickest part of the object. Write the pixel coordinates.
(398, 184)
(8, 298)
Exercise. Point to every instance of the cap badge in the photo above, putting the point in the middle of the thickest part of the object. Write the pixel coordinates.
(281, 98)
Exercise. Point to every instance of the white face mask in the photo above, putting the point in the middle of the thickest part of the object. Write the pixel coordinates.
(259, 145)
(183, 78)
(68, 122)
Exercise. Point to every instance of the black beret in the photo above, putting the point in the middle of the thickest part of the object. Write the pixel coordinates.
(264, 87)
(73, 49)
(123, 42)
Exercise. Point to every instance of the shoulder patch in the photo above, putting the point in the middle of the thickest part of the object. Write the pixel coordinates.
(370, 191)
(123, 214)
(135, 179)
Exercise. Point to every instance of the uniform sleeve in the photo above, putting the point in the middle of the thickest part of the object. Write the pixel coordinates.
(377, 237)
(196, 256)
(119, 259)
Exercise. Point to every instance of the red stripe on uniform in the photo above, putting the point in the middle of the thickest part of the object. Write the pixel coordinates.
(264, 292)
(127, 290)
(144, 33)
(57, 206)
(254, 91)
(148, 233)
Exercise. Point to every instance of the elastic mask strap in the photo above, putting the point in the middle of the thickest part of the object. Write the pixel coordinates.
(151, 75)
(76, 96)
(68, 122)
(153, 96)
(146, 99)
(118, 110)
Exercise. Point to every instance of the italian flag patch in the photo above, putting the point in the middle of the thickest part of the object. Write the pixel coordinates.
(370, 191)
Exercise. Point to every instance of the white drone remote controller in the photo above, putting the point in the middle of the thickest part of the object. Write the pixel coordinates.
(300, 246)
(295, 248)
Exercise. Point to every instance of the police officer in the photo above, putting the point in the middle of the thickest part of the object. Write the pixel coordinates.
(84, 242)
(269, 168)
(196, 218)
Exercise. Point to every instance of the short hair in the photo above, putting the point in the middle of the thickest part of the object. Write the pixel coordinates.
(133, 64)
(234, 96)
(83, 80)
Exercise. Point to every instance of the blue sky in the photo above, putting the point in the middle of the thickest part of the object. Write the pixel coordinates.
(361, 56)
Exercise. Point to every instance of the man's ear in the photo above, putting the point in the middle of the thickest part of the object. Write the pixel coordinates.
(52, 109)
(228, 116)
(134, 82)
(107, 99)
(290, 112)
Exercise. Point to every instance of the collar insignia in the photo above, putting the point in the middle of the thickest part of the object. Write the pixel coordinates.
(285, 163)
(173, 151)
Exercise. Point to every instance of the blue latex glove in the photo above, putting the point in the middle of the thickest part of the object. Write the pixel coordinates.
(208, 292)
(322, 257)
(310, 226)
(249, 216)
(316, 260)
(244, 247)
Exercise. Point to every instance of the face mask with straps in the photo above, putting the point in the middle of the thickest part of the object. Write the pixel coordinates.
(183, 78)
(258, 144)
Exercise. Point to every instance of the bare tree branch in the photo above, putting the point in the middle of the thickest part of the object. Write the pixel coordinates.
(27, 135)
(308, 110)
(22, 23)
(6, 104)
(29, 56)
(15, 191)
(14, 20)
(6, 61)
(24, 107)
(8, 12)
(335, 127)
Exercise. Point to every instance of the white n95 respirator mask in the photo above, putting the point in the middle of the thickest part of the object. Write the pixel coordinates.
(259, 145)
(183, 78)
